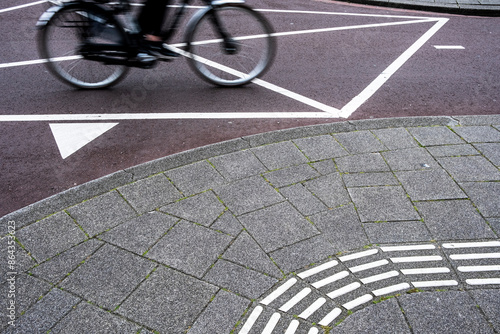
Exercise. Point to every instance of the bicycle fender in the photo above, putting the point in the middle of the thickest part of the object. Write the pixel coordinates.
(49, 13)
(216, 3)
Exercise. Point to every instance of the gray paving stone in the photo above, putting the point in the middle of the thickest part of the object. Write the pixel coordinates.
(279, 155)
(443, 312)
(320, 147)
(291, 175)
(190, 248)
(491, 151)
(238, 279)
(393, 232)
(410, 159)
(330, 189)
(44, 314)
(86, 318)
(435, 135)
(325, 166)
(430, 184)
(383, 204)
(360, 142)
(452, 150)
(23, 260)
(176, 308)
(478, 134)
(59, 266)
(384, 317)
(195, 178)
(227, 223)
(248, 195)
(50, 236)
(495, 225)
(139, 234)
(341, 226)
(148, 194)
(221, 314)
(303, 253)
(475, 168)
(369, 162)
(489, 302)
(302, 199)
(395, 138)
(277, 226)
(102, 213)
(246, 252)
(203, 208)
(238, 165)
(369, 179)
(108, 277)
(485, 195)
(455, 219)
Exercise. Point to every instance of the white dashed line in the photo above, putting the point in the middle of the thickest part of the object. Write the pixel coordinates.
(318, 269)
(358, 255)
(430, 284)
(330, 317)
(251, 320)
(312, 308)
(425, 271)
(475, 256)
(279, 291)
(391, 289)
(294, 324)
(472, 244)
(358, 301)
(406, 259)
(369, 265)
(271, 323)
(482, 281)
(379, 277)
(406, 248)
(295, 299)
(468, 269)
(449, 47)
(330, 279)
(342, 291)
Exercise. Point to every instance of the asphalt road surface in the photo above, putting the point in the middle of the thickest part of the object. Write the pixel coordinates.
(335, 62)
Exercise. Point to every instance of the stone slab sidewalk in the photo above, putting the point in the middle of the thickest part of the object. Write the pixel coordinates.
(386, 225)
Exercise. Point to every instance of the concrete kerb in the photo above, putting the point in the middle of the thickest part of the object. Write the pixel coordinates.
(80, 193)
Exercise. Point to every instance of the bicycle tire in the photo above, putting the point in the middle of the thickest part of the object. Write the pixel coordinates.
(251, 33)
(60, 40)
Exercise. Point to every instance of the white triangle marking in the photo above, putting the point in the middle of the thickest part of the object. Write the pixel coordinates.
(70, 137)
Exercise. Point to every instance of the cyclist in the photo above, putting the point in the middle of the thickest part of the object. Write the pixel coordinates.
(150, 21)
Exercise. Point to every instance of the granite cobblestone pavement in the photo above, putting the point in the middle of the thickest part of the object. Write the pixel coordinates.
(386, 225)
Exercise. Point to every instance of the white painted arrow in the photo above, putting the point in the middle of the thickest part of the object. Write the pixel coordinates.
(70, 137)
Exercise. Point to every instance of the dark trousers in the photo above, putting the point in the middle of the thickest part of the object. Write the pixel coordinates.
(152, 16)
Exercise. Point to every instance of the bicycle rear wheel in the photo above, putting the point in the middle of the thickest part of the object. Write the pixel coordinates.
(242, 49)
(64, 38)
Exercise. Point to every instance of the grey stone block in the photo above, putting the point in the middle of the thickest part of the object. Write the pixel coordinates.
(23, 260)
(139, 234)
(221, 314)
(495, 224)
(435, 135)
(248, 195)
(395, 138)
(238, 165)
(190, 248)
(452, 150)
(102, 213)
(330, 189)
(369, 179)
(489, 302)
(50, 236)
(430, 184)
(443, 312)
(393, 232)
(203, 208)
(383, 204)
(491, 151)
(369, 162)
(410, 159)
(475, 168)
(325, 166)
(360, 142)
(320, 147)
(485, 195)
(227, 223)
(277, 226)
(86, 318)
(455, 219)
(478, 134)
(148, 194)
(176, 308)
(108, 277)
(279, 155)
(235, 278)
(291, 175)
(303, 200)
(195, 178)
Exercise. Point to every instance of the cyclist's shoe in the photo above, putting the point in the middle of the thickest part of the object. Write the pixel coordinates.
(160, 50)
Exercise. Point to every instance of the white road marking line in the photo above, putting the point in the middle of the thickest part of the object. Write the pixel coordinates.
(295, 299)
(358, 301)
(271, 323)
(37, 61)
(469, 269)
(313, 330)
(406, 248)
(358, 255)
(424, 271)
(343, 290)
(482, 281)
(22, 6)
(312, 308)
(406, 259)
(279, 291)
(449, 47)
(292, 11)
(391, 289)
(368, 266)
(251, 320)
(330, 279)
(430, 284)
(330, 317)
(294, 324)
(475, 256)
(472, 244)
(318, 269)
(379, 277)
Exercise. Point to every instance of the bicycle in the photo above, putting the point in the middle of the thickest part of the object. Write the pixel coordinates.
(92, 44)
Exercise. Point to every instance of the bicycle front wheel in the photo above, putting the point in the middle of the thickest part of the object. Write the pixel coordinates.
(65, 37)
(230, 45)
